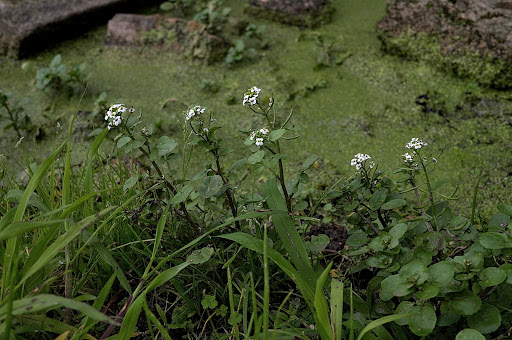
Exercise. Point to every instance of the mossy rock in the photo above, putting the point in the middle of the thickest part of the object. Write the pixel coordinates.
(307, 13)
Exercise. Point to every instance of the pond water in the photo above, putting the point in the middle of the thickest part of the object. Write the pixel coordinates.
(366, 104)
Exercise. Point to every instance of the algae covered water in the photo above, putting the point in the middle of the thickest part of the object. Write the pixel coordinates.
(357, 100)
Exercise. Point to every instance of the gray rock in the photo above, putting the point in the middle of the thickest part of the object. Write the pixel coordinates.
(461, 28)
(189, 38)
(305, 13)
(30, 25)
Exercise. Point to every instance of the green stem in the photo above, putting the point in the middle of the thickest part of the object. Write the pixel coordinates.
(229, 194)
(431, 195)
(266, 289)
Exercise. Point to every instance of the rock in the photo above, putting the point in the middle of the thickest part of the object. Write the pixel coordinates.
(471, 38)
(305, 13)
(30, 25)
(186, 37)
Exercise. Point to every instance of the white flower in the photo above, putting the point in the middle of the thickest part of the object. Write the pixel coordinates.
(360, 159)
(259, 141)
(252, 135)
(132, 110)
(251, 96)
(144, 131)
(113, 115)
(196, 111)
(408, 157)
(415, 144)
(264, 131)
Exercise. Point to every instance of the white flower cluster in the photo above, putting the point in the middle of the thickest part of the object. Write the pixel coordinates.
(195, 111)
(415, 144)
(259, 135)
(114, 113)
(359, 160)
(251, 96)
(408, 157)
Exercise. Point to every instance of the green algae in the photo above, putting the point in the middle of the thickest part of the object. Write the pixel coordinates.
(368, 103)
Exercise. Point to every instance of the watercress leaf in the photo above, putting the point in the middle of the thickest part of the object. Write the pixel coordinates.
(423, 320)
(505, 209)
(397, 285)
(507, 267)
(276, 134)
(308, 163)
(210, 186)
(486, 320)
(441, 273)
(182, 194)
(317, 243)
(256, 157)
(465, 303)
(393, 204)
(429, 291)
(492, 276)
(415, 272)
(403, 308)
(398, 231)
(469, 334)
(494, 240)
(379, 261)
(165, 145)
(130, 182)
(123, 141)
(357, 239)
(378, 198)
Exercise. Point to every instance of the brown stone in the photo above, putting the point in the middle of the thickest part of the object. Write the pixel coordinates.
(306, 13)
(31, 25)
(186, 37)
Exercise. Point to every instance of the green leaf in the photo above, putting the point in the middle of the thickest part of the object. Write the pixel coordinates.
(414, 272)
(209, 301)
(317, 244)
(210, 186)
(441, 273)
(357, 239)
(423, 320)
(40, 302)
(130, 182)
(321, 308)
(398, 231)
(165, 145)
(494, 240)
(18, 228)
(276, 134)
(505, 209)
(337, 308)
(469, 334)
(507, 267)
(393, 204)
(465, 303)
(492, 276)
(403, 308)
(256, 157)
(308, 163)
(182, 194)
(378, 198)
(397, 285)
(380, 322)
(123, 141)
(486, 320)
(429, 291)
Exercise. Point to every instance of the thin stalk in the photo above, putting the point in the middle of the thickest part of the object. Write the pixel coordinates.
(229, 193)
(282, 181)
(266, 284)
(13, 119)
(374, 228)
(415, 188)
(431, 195)
(169, 185)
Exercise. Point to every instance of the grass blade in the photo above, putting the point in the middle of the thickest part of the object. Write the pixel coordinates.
(380, 322)
(321, 310)
(337, 308)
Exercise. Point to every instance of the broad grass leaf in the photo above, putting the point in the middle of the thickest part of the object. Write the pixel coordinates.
(18, 228)
(321, 308)
(44, 323)
(31, 304)
(380, 322)
(337, 308)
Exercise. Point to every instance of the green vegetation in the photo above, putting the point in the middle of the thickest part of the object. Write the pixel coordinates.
(193, 211)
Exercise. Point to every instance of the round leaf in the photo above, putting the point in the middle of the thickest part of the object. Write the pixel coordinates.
(165, 145)
(428, 292)
(398, 231)
(492, 276)
(469, 334)
(397, 285)
(507, 267)
(441, 273)
(357, 239)
(486, 320)
(415, 272)
(256, 157)
(423, 321)
(465, 303)
(378, 198)
(403, 308)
